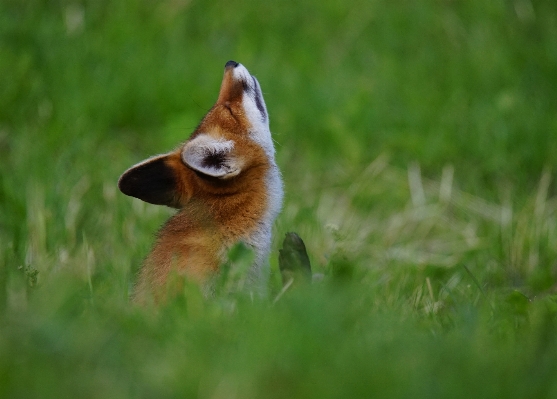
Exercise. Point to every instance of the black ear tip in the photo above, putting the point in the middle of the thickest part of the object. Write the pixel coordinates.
(152, 181)
(124, 183)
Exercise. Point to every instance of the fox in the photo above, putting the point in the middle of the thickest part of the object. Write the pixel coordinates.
(225, 184)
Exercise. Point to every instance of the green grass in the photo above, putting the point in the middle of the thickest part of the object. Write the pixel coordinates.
(418, 144)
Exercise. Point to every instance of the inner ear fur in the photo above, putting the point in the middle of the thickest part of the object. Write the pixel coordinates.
(152, 181)
(212, 157)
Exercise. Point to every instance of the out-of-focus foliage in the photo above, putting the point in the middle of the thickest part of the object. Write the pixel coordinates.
(418, 144)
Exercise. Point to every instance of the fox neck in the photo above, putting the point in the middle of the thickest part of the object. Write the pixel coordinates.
(246, 216)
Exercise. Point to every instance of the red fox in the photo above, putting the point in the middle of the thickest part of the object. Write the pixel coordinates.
(225, 183)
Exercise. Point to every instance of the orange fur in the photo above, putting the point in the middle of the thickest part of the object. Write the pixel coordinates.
(214, 212)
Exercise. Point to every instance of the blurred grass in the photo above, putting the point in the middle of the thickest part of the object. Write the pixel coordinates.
(418, 143)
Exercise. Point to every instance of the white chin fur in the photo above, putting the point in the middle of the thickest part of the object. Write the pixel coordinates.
(259, 132)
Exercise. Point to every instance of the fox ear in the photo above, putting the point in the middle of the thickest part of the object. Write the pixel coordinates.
(152, 181)
(212, 157)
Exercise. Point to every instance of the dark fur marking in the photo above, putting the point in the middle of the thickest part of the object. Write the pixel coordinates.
(152, 182)
(214, 160)
(258, 102)
(246, 86)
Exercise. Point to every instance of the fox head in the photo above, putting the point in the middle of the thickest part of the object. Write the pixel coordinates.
(232, 141)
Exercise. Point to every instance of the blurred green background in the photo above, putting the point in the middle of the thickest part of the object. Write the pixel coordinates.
(418, 144)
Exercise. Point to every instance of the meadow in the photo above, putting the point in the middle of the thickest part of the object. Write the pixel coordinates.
(418, 145)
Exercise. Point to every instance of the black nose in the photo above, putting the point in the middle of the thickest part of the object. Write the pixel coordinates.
(231, 64)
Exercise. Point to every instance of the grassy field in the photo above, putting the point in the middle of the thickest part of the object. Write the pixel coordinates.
(418, 144)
